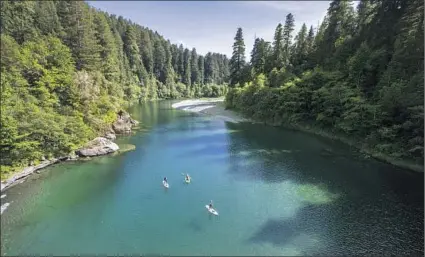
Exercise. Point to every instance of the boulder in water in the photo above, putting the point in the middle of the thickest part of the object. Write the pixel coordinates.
(98, 146)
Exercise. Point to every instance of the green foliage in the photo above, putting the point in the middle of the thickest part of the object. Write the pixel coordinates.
(355, 80)
(66, 69)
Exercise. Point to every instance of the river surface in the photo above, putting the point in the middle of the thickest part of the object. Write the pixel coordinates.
(278, 192)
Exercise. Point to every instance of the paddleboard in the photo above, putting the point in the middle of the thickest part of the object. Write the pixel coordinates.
(165, 184)
(212, 211)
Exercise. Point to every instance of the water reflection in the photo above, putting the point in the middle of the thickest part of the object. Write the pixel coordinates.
(351, 207)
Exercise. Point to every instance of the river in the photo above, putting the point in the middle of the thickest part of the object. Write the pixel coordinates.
(278, 192)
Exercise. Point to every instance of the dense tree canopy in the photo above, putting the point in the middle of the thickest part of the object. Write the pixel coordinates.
(360, 76)
(67, 67)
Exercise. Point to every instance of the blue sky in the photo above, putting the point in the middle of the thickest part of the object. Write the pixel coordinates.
(211, 25)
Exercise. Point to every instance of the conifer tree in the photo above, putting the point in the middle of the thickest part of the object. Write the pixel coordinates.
(237, 62)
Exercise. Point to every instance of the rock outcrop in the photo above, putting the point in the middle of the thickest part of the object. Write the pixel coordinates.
(124, 123)
(98, 146)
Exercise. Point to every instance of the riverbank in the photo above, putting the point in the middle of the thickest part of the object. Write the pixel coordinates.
(367, 153)
(99, 146)
(215, 107)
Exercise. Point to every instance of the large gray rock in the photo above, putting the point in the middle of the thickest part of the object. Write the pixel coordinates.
(124, 123)
(121, 127)
(98, 146)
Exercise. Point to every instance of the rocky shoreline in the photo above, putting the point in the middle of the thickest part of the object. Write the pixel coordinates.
(97, 147)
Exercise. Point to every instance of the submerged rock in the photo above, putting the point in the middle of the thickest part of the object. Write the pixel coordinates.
(126, 147)
(98, 146)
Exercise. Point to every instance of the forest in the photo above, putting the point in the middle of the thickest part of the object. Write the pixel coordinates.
(359, 75)
(67, 68)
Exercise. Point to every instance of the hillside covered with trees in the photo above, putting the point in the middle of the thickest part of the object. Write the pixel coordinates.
(359, 75)
(66, 68)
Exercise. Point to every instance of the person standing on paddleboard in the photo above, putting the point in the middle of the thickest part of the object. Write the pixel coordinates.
(187, 176)
(211, 205)
(165, 180)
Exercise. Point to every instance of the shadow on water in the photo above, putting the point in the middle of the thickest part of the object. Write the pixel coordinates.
(276, 232)
(338, 229)
(304, 162)
(379, 210)
(195, 225)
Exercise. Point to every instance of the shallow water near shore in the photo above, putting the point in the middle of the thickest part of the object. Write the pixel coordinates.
(278, 192)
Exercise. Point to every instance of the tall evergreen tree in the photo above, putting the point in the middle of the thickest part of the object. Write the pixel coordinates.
(237, 62)
(17, 19)
(194, 67)
(132, 52)
(108, 52)
(364, 14)
(187, 65)
(339, 26)
(168, 72)
(174, 57)
(159, 60)
(201, 69)
(146, 51)
(300, 50)
(310, 40)
(46, 18)
(180, 62)
(259, 56)
(278, 48)
(287, 37)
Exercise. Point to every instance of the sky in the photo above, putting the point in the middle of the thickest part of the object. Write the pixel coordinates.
(210, 26)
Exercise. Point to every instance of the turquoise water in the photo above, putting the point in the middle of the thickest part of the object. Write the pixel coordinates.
(278, 192)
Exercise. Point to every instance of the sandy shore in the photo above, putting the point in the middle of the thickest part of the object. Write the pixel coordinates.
(214, 107)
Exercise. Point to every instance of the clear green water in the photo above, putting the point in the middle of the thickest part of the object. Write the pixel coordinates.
(278, 192)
